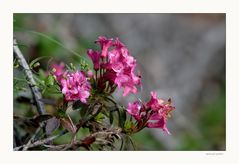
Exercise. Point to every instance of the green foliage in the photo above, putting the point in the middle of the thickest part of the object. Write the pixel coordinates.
(61, 112)
(35, 62)
(99, 117)
(128, 125)
(50, 80)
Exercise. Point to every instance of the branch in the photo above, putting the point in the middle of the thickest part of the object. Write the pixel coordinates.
(40, 142)
(33, 137)
(32, 83)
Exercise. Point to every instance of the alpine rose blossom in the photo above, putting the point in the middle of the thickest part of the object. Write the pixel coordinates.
(156, 112)
(95, 57)
(161, 110)
(75, 86)
(155, 103)
(117, 64)
(58, 71)
(105, 44)
(134, 109)
(123, 64)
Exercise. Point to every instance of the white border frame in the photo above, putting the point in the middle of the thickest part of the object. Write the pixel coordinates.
(9, 7)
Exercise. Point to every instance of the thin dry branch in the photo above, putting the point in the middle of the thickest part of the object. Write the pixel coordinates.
(33, 136)
(32, 83)
(40, 142)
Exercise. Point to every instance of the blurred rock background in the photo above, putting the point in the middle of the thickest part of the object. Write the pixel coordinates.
(181, 56)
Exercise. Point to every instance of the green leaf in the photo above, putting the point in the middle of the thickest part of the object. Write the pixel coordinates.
(73, 67)
(36, 60)
(61, 113)
(68, 67)
(83, 112)
(99, 117)
(15, 63)
(122, 116)
(50, 80)
(111, 117)
(42, 75)
(37, 64)
(128, 125)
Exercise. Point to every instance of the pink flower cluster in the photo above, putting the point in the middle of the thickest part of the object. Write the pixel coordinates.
(114, 67)
(74, 85)
(155, 112)
(116, 64)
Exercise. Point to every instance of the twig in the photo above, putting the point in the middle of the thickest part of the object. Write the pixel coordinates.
(32, 83)
(43, 142)
(33, 136)
(55, 147)
(40, 142)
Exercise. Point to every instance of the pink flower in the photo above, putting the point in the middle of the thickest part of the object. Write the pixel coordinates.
(89, 74)
(95, 57)
(161, 110)
(75, 87)
(127, 80)
(155, 112)
(159, 123)
(114, 60)
(105, 44)
(134, 109)
(110, 76)
(116, 65)
(127, 83)
(123, 65)
(58, 71)
(154, 103)
(118, 44)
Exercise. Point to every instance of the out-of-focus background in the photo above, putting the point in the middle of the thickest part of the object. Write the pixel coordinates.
(181, 56)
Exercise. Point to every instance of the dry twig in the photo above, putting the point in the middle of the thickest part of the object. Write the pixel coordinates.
(32, 83)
